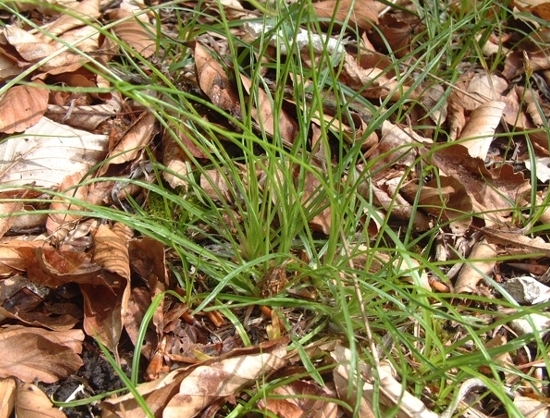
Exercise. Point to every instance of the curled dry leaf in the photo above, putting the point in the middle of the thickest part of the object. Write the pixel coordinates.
(391, 393)
(137, 137)
(60, 217)
(364, 13)
(446, 198)
(494, 192)
(207, 383)
(34, 353)
(106, 296)
(480, 265)
(88, 9)
(184, 392)
(479, 131)
(7, 208)
(111, 251)
(139, 35)
(85, 117)
(215, 83)
(30, 47)
(22, 107)
(300, 398)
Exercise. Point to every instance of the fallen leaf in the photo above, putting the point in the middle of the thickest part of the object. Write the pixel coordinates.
(7, 397)
(139, 35)
(31, 402)
(22, 107)
(479, 131)
(34, 353)
(364, 13)
(280, 124)
(215, 83)
(47, 153)
(480, 265)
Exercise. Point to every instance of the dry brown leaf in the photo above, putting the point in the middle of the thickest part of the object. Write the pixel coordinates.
(85, 117)
(138, 34)
(396, 147)
(106, 297)
(30, 47)
(481, 264)
(186, 391)
(176, 156)
(215, 83)
(104, 308)
(446, 199)
(22, 107)
(34, 353)
(386, 193)
(11, 260)
(8, 208)
(59, 218)
(31, 402)
(148, 261)
(19, 297)
(206, 383)
(51, 267)
(300, 398)
(312, 198)
(396, 30)
(8, 66)
(87, 9)
(134, 140)
(282, 124)
(479, 131)
(513, 114)
(7, 397)
(111, 251)
(494, 193)
(517, 239)
(364, 13)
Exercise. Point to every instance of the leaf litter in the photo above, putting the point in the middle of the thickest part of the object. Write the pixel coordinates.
(68, 279)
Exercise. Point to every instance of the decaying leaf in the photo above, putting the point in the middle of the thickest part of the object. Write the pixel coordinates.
(391, 392)
(481, 264)
(31, 402)
(139, 35)
(263, 114)
(22, 107)
(134, 140)
(364, 12)
(47, 153)
(185, 392)
(494, 193)
(34, 353)
(478, 132)
(214, 82)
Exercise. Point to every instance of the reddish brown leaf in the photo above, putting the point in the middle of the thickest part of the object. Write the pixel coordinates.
(214, 82)
(22, 107)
